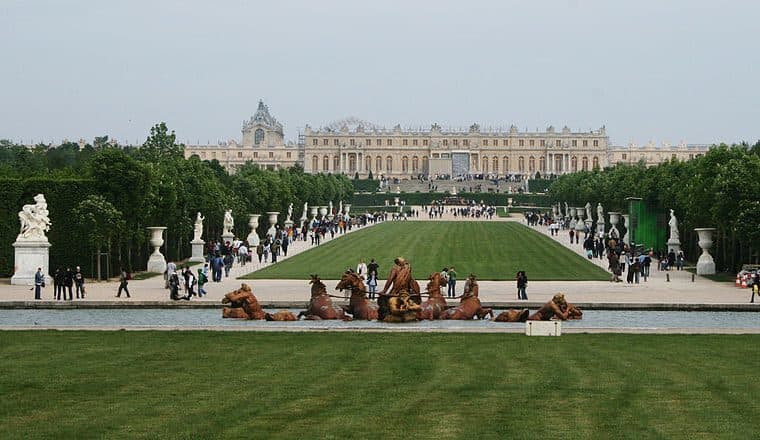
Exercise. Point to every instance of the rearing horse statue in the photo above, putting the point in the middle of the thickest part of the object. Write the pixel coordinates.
(359, 305)
(436, 303)
(320, 304)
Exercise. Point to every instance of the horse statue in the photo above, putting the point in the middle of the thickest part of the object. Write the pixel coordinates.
(359, 305)
(513, 315)
(244, 305)
(320, 304)
(469, 304)
(436, 303)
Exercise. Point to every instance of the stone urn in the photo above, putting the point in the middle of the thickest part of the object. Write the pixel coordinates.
(313, 212)
(705, 264)
(347, 208)
(272, 231)
(572, 212)
(614, 220)
(253, 237)
(156, 261)
(509, 202)
(322, 212)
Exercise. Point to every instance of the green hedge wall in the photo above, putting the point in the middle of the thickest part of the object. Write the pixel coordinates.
(498, 199)
(365, 185)
(62, 196)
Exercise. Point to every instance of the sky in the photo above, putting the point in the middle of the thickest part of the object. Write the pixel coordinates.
(662, 71)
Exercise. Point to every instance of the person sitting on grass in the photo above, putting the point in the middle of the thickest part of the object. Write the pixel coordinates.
(557, 308)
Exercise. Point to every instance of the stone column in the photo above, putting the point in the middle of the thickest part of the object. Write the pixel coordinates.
(627, 224)
(156, 261)
(705, 264)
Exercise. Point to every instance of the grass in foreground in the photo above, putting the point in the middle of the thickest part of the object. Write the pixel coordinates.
(490, 250)
(310, 385)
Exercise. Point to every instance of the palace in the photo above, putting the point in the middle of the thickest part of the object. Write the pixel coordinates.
(354, 146)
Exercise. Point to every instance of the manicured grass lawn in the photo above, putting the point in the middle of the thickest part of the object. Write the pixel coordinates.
(490, 250)
(67, 385)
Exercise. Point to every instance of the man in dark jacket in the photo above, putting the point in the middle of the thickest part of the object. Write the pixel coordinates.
(79, 282)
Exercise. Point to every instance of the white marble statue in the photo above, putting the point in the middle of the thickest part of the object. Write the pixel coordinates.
(673, 223)
(290, 212)
(330, 208)
(229, 222)
(588, 211)
(340, 207)
(34, 220)
(599, 213)
(305, 209)
(198, 228)
(567, 210)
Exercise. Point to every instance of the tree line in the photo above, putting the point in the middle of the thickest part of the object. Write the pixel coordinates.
(102, 197)
(720, 189)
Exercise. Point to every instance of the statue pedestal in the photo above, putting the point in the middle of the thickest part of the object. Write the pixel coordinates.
(197, 256)
(674, 245)
(228, 237)
(29, 255)
(288, 224)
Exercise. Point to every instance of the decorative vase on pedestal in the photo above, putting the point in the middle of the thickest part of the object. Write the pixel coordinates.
(272, 231)
(572, 212)
(614, 220)
(627, 225)
(156, 261)
(579, 225)
(347, 208)
(705, 264)
(253, 237)
(322, 212)
(314, 212)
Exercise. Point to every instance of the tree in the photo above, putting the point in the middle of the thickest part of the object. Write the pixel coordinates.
(100, 223)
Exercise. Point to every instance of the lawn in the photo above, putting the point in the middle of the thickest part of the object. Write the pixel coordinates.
(491, 250)
(359, 385)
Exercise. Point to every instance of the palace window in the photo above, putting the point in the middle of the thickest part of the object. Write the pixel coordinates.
(424, 142)
(484, 164)
(314, 162)
(445, 142)
(415, 164)
(532, 143)
(505, 142)
(542, 143)
(414, 142)
(389, 142)
(336, 142)
(368, 141)
(542, 163)
(466, 142)
(255, 154)
(625, 156)
(691, 156)
(585, 143)
(596, 143)
(378, 164)
(315, 141)
(352, 142)
(574, 163)
(336, 163)
(389, 164)
(558, 143)
(326, 163)
(352, 163)
(596, 163)
(405, 142)
(532, 164)
(368, 164)
(575, 143)
(496, 165)
(521, 164)
(436, 155)
(505, 161)
(258, 136)
(271, 155)
(424, 163)
(405, 164)
(485, 142)
(379, 142)
(287, 155)
(240, 154)
(521, 143)
(325, 142)
(584, 163)
(456, 142)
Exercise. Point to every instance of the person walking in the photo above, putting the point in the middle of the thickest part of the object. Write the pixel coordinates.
(679, 260)
(68, 282)
(452, 283)
(361, 269)
(372, 284)
(39, 283)
(373, 267)
(191, 283)
(79, 282)
(201, 281)
(58, 284)
(123, 281)
(522, 284)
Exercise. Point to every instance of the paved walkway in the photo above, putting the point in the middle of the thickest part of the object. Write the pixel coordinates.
(657, 290)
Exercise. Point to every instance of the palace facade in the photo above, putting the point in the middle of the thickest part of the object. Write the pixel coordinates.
(354, 146)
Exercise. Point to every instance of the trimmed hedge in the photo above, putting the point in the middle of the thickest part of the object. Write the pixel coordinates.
(365, 185)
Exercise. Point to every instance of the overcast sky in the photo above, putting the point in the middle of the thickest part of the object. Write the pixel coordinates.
(648, 70)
